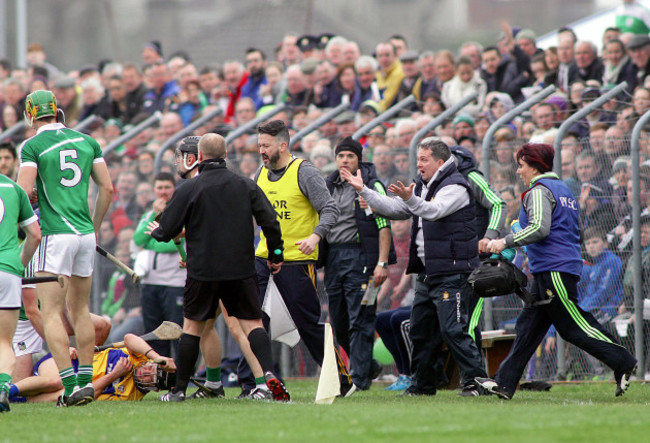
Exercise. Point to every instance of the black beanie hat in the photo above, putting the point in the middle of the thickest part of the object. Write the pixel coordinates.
(349, 144)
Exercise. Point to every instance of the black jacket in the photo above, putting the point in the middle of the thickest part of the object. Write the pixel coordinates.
(366, 224)
(216, 208)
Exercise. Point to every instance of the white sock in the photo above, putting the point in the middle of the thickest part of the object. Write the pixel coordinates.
(213, 384)
(262, 386)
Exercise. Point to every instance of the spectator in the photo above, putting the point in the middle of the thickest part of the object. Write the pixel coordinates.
(365, 67)
(589, 65)
(297, 92)
(428, 82)
(618, 66)
(501, 74)
(163, 281)
(152, 53)
(633, 17)
(390, 74)
(472, 50)
(465, 82)
(256, 66)
(639, 51)
(125, 203)
(409, 60)
(326, 91)
(164, 90)
(269, 93)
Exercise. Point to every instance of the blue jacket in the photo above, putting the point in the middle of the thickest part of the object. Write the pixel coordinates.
(560, 250)
(251, 89)
(601, 285)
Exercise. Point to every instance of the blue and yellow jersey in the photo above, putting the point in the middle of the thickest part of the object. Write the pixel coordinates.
(123, 388)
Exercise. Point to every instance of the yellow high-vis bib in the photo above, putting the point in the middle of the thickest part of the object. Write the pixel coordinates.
(296, 215)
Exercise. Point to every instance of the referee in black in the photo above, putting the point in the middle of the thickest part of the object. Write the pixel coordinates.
(216, 209)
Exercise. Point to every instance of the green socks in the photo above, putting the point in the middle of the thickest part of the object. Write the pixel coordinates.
(5, 382)
(69, 380)
(84, 375)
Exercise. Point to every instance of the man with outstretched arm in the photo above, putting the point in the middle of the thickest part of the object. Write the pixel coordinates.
(443, 252)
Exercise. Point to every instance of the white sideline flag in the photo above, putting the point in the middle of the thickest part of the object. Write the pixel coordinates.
(329, 384)
(283, 329)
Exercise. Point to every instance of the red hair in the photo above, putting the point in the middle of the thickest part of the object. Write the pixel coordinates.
(537, 155)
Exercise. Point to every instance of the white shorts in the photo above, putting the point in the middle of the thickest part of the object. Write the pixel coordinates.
(26, 339)
(10, 292)
(67, 254)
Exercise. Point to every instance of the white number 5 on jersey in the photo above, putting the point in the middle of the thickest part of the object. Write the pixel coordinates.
(76, 178)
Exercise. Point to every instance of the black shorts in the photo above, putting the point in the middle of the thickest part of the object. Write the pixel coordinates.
(240, 298)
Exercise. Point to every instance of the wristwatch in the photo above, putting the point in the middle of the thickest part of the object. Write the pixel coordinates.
(383, 264)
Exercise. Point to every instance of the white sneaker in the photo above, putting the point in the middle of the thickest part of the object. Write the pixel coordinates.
(260, 394)
(81, 396)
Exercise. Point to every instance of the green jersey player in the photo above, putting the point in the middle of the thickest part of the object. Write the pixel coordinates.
(14, 209)
(61, 162)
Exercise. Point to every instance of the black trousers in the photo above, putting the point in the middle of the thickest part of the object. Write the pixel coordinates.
(575, 325)
(353, 323)
(440, 314)
(297, 285)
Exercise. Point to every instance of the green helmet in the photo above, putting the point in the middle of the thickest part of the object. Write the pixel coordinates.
(40, 104)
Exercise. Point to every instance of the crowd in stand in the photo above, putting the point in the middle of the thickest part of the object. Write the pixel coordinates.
(313, 74)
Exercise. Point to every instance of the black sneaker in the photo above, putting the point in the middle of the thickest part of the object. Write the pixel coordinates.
(81, 396)
(623, 381)
(348, 389)
(412, 391)
(244, 393)
(172, 397)
(4, 402)
(280, 393)
(469, 391)
(62, 401)
(206, 392)
(375, 370)
(493, 387)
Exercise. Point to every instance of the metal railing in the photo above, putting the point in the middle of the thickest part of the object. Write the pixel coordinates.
(381, 118)
(639, 342)
(583, 112)
(12, 130)
(119, 141)
(485, 165)
(243, 129)
(505, 118)
(171, 142)
(86, 122)
(320, 121)
(433, 124)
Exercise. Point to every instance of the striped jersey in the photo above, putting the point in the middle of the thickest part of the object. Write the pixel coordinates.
(64, 159)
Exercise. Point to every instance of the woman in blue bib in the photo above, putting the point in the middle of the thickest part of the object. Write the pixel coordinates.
(551, 232)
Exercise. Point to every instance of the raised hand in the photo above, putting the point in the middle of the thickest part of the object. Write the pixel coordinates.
(403, 192)
(355, 180)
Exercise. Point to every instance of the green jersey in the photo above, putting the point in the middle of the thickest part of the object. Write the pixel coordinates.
(14, 210)
(64, 159)
(634, 18)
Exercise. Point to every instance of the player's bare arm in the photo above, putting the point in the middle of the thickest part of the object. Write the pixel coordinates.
(105, 186)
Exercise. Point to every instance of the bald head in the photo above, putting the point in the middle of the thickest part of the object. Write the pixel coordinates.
(212, 146)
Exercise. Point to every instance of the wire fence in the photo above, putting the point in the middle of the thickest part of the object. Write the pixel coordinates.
(596, 164)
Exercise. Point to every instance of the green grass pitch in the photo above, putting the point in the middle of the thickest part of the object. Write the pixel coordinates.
(576, 412)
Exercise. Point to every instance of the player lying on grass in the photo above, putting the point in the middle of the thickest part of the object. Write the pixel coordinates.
(127, 373)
